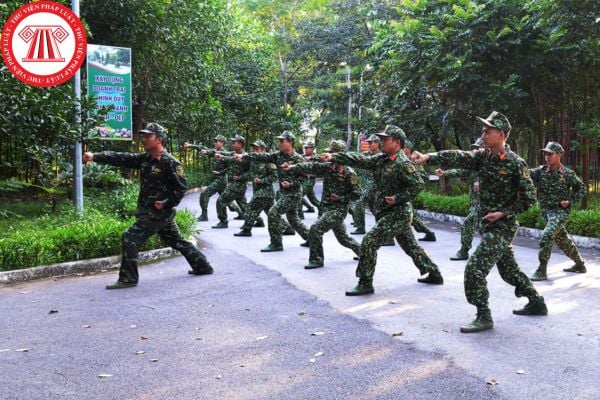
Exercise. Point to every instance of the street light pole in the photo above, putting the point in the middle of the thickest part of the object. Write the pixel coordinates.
(77, 167)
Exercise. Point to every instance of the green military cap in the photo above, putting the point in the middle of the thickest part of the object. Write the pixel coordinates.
(497, 120)
(288, 136)
(238, 138)
(155, 128)
(394, 132)
(409, 144)
(259, 143)
(309, 144)
(336, 146)
(553, 147)
(478, 143)
(219, 138)
(374, 138)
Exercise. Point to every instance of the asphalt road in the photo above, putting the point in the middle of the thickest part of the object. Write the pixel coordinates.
(246, 332)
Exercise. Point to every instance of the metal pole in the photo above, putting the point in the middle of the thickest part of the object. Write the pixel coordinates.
(78, 167)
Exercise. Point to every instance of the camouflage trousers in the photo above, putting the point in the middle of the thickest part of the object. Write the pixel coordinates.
(230, 195)
(286, 204)
(167, 229)
(308, 190)
(555, 231)
(358, 213)
(217, 185)
(420, 225)
(467, 230)
(329, 219)
(495, 249)
(254, 208)
(397, 224)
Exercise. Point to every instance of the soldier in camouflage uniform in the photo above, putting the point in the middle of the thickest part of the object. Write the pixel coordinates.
(236, 187)
(505, 190)
(417, 222)
(290, 190)
(262, 176)
(396, 184)
(340, 187)
(558, 187)
(366, 189)
(308, 186)
(471, 221)
(219, 178)
(163, 185)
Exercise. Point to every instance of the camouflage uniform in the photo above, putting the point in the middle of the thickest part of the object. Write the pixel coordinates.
(337, 181)
(263, 196)
(289, 198)
(367, 193)
(554, 186)
(236, 189)
(467, 231)
(394, 176)
(418, 223)
(161, 180)
(308, 185)
(505, 186)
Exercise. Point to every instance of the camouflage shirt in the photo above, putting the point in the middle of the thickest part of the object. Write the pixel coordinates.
(278, 159)
(337, 179)
(394, 176)
(159, 179)
(267, 173)
(555, 186)
(367, 180)
(235, 168)
(504, 181)
(219, 167)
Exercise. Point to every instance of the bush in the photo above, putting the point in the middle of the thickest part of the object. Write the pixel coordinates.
(582, 222)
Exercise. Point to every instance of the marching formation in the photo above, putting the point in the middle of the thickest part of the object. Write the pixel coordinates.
(385, 179)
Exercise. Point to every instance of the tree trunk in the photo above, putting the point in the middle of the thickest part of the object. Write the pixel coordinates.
(349, 86)
(585, 148)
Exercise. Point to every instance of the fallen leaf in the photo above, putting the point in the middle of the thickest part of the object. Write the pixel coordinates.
(492, 382)
(24, 292)
(133, 326)
(219, 376)
(22, 350)
(520, 372)
(34, 301)
(86, 326)
(247, 309)
(319, 354)
(317, 333)
(139, 352)
(445, 330)
(580, 334)
(144, 338)
(301, 313)
(104, 375)
(198, 328)
(393, 302)
(198, 338)
(261, 337)
(154, 360)
(242, 365)
(398, 334)
(312, 360)
(211, 305)
(52, 311)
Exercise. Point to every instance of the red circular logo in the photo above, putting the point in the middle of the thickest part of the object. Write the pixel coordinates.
(43, 44)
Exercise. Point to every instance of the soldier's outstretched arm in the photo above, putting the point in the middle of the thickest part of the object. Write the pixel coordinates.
(127, 160)
(469, 160)
(310, 168)
(456, 173)
(356, 159)
(260, 157)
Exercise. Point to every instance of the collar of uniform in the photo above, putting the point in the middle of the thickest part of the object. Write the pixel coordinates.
(501, 156)
(548, 169)
(394, 156)
(162, 154)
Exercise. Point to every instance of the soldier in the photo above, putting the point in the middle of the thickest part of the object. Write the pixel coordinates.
(236, 187)
(558, 187)
(417, 223)
(472, 219)
(290, 190)
(263, 176)
(219, 178)
(396, 184)
(163, 185)
(308, 186)
(505, 190)
(366, 189)
(340, 186)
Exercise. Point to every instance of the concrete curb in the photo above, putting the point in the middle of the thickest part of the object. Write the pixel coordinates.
(82, 266)
(580, 241)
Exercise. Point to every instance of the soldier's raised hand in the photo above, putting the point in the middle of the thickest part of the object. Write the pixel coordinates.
(88, 156)
(285, 166)
(419, 158)
(237, 156)
(326, 157)
(159, 205)
(334, 197)
(186, 145)
(204, 152)
(236, 178)
(439, 172)
(218, 156)
(565, 203)
(285, 184)
(390, 200)
(258, 181)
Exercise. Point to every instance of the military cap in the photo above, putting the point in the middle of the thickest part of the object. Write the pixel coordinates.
(259, 143)
(497, 120)
(238, 138)
(394, 132)
(288, 136)
(309, 144)
(374, 138)
(553, 147)
(155, 128)
(478, 143)
(219, 138)
(336, 146)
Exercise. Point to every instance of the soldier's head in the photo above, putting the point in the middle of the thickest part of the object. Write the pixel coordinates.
(553, 153)
(219, 142)
(309, 148)
(374, 143)
(408, 147)
(153, 136)
(496, 129)
(392, 139)
(259, 146)
(336, 146)
(286, 141)
(237, 143)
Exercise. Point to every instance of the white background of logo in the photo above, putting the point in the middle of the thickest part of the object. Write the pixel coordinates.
(20, 47)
